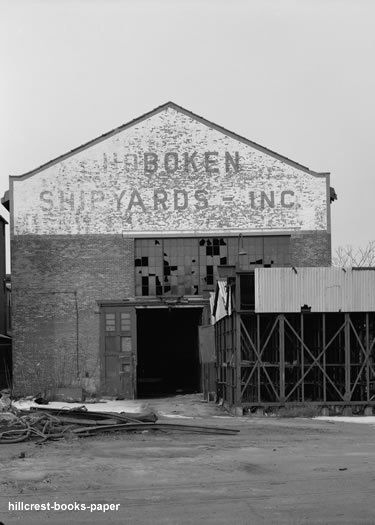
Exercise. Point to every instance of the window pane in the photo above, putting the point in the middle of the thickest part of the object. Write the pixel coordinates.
(110, 322)
(160, 263)
(125, 322)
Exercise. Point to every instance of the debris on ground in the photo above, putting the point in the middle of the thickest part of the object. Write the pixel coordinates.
(39, 400)
(67, 394)
(47, 423)
(7, 417)
(5, 401)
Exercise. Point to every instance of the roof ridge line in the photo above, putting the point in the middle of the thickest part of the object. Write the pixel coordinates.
(153, 112)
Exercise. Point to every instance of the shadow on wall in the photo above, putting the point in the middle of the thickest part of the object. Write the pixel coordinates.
(5, 365)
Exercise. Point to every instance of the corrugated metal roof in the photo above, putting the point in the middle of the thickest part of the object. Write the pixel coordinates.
(322, 289)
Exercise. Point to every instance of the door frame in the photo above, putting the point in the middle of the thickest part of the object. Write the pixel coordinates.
(131, 334)
(138, 304)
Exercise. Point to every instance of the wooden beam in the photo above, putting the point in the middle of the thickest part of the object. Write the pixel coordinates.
(315, 360)
(259, 356)
(324, 357)
(282, 356)
(368, 357)
(238, 371)
(347, 357)
(302, 361)
(258, 347)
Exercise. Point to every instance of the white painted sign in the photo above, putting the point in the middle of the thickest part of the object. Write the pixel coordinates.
(173, 173)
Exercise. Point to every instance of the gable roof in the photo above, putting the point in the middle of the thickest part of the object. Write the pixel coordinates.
(155, 111)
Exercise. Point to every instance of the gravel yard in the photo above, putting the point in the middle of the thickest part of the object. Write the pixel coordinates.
(273, 471)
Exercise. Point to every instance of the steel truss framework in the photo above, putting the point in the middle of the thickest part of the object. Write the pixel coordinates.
(280, 359)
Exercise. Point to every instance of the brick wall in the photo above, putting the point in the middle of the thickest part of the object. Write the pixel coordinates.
(2, 278)
(310, 249)
(46, 271)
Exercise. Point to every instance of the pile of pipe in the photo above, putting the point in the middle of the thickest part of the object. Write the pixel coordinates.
(42, 424)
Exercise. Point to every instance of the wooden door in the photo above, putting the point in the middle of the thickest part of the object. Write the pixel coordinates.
(118, 351)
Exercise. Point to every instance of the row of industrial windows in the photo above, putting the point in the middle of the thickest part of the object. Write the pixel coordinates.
(189, 266)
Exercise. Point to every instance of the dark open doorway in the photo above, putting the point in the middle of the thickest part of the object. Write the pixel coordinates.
(167, 351)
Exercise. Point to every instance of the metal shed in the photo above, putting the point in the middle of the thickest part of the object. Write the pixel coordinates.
(288, 342)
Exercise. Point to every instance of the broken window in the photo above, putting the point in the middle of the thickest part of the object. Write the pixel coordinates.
(188, 266)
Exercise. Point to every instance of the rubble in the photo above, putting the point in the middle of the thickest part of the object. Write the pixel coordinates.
(45, 424)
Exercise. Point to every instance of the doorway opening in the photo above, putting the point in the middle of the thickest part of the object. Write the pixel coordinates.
(168, 351)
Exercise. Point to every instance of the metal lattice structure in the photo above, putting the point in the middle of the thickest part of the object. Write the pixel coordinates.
(296, 358)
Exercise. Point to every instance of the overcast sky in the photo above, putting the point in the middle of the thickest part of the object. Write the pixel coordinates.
(296, 76)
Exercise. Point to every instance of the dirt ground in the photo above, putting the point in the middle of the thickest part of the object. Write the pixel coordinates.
(274, 471)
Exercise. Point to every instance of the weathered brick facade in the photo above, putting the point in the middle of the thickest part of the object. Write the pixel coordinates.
(53, 278)
(2, 277)
(310, 248)
(74, 221)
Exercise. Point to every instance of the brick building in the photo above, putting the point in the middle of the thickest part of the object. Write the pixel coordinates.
(116, 245)
(3, 322)
(5, 334)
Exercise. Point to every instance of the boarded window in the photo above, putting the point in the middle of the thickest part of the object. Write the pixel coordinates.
(125, 322)
(126, 345)
(110, 322)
